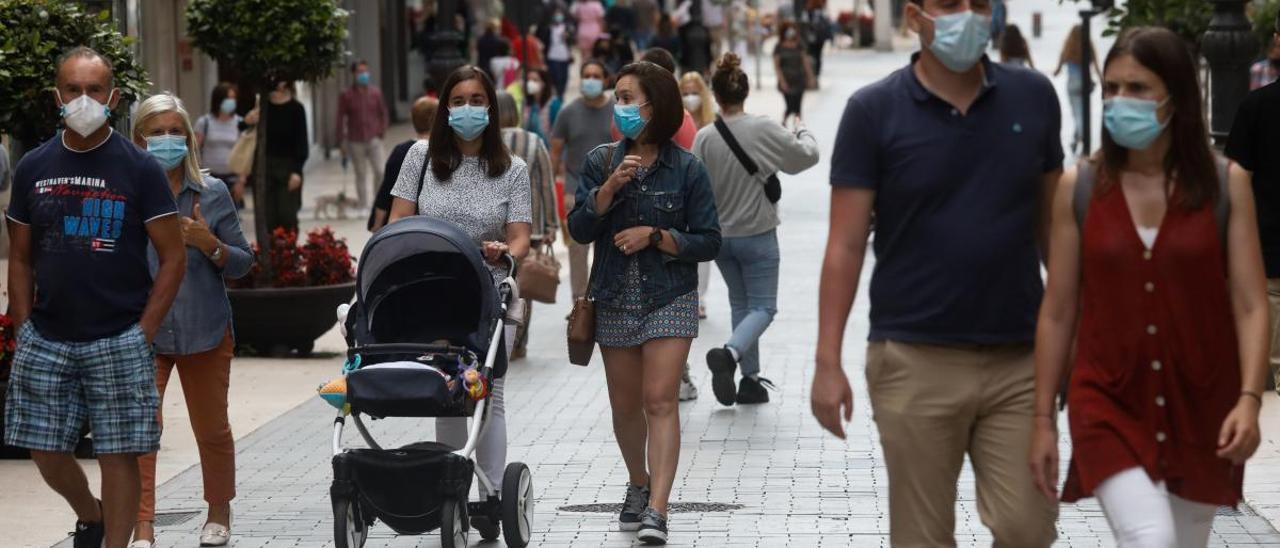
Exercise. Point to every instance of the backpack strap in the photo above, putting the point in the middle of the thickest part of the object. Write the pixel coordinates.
(1222, 208)
(1086, 177)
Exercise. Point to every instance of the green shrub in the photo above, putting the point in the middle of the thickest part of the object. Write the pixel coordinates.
(33, 33)
(271, 40)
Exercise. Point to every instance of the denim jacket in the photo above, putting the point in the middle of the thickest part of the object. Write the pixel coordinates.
(201, 313)
(675, 196)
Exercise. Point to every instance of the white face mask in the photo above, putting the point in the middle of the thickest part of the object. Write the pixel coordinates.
(692, 102)
(85, 115)
(534, 87)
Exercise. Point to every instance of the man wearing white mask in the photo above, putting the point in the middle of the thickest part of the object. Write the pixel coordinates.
(84, 206)
(957, 157)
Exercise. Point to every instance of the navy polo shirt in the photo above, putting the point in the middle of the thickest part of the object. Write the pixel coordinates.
(957, 203)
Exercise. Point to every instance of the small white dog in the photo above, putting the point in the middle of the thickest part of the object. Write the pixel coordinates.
(334, 206)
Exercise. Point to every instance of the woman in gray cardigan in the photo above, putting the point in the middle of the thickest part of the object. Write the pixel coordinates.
(748, 258)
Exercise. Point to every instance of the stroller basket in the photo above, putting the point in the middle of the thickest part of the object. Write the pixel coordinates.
(404, 487)
(424, 385)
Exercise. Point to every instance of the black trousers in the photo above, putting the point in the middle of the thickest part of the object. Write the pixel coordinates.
(793, 100)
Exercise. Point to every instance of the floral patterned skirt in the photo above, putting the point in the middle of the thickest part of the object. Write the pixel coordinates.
(627, 324)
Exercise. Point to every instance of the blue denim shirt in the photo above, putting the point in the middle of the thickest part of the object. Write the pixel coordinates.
(676, 196)
(201, 313)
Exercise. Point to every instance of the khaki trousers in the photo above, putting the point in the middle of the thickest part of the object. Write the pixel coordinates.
(935, 404)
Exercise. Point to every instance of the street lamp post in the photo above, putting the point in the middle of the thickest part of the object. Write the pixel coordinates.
(1230, 47)
(446, 43)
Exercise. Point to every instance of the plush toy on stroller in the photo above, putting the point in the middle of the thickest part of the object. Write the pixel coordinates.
(425, 339)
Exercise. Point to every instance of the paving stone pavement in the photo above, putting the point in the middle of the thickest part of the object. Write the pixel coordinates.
(798, 487)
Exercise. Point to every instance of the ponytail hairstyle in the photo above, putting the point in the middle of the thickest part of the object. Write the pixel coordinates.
(730, 83)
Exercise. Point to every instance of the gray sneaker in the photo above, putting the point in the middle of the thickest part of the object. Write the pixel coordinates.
(632, 507)
(653, 528)
(687, 389)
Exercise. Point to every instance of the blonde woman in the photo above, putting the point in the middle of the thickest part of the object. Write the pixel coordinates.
(195, 337)
(696, 95)
(1072, 58)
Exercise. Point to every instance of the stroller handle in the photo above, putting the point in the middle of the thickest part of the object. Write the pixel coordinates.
(512, 264)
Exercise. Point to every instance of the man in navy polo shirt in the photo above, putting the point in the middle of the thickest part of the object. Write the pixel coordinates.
(957, 157)
(84, 206)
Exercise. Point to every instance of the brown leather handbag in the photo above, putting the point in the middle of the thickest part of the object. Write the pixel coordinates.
(540, 275)
(582, 320)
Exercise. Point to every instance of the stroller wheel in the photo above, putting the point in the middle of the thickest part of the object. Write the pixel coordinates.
(349, 528)
(454, 528)
(517, 505)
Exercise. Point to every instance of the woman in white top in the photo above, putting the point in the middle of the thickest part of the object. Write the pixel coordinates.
(471, 180)
(216, 134)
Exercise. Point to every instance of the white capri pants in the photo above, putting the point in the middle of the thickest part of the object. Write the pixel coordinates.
(1144, 514)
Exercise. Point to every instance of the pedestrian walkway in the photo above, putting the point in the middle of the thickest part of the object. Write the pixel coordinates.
(789, 483)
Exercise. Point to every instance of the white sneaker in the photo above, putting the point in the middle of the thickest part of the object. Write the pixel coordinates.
(688, 391)
(141, 544)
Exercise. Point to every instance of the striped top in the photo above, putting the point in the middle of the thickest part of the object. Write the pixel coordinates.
(528, 147)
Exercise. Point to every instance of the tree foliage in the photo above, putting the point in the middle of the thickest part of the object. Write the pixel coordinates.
(1188, 18)
(271, 40)
(33, 33)
(1264, 21)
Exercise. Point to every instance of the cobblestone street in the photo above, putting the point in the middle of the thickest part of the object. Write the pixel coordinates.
(796, 485)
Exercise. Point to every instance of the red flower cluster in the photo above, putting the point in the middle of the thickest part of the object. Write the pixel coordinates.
(323, 260)
(8, 345)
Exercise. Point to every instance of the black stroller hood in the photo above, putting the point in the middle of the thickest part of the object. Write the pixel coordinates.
(422, 279)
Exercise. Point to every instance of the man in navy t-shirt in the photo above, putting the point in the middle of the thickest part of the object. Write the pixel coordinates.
(957, 156)
(84, 206)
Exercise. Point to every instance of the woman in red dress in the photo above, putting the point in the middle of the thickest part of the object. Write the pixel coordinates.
(1171, 346)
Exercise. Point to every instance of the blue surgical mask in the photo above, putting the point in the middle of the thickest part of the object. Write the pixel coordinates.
(628, 120)
(1132, 123)
(228, 105)
(468, 121)
(362, 78)
(592, 87)
(169, 150)
(960, 39)
(558, 18)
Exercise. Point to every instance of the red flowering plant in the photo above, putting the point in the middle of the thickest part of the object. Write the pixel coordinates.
(8, 345)
(323, 260)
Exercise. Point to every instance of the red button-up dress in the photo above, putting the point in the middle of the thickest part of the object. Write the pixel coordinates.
(1157, 367)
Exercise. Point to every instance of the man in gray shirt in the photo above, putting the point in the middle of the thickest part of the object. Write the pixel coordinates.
(749, 256)
(580, 127)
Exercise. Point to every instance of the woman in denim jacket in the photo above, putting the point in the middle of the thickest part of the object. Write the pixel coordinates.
(647, 206)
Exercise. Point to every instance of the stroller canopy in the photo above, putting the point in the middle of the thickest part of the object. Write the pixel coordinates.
(421, 280)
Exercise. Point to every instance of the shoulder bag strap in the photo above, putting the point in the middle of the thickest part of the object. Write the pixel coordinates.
(608, 163)
(746, 161)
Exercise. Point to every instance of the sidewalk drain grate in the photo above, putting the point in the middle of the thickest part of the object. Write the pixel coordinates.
(169, 519)
(1242, 510)
(676, 507)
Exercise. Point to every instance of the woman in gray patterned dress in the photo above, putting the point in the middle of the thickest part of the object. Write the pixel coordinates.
(647, 206)
(472, 181)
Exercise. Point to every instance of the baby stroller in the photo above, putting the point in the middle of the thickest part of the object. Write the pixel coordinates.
(425, 339)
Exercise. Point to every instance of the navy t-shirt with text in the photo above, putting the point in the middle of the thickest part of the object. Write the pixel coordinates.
(88, 213)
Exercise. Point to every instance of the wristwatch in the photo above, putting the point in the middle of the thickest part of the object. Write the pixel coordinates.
(655, 238)
(217, 254)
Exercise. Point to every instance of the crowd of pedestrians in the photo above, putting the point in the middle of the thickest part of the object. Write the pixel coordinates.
(1152, 326)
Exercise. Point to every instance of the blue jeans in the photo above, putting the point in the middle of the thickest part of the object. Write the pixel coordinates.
(749, 266)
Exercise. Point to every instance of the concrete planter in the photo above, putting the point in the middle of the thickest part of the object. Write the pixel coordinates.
(278, 320)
